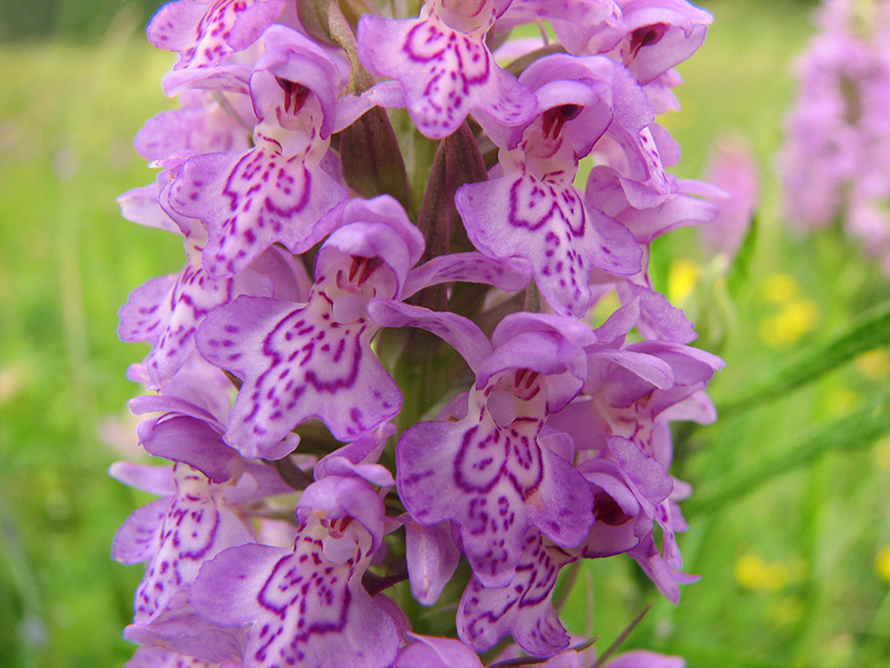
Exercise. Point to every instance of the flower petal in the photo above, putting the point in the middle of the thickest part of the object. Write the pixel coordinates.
(296, 364)
(301, 608)
(521, 608)
(250, 201)
(445, 73)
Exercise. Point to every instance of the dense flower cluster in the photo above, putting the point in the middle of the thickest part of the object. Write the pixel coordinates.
(415, 387)
(836, 158)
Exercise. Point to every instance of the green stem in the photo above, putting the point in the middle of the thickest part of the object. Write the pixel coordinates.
(621, 638)
(291, 473)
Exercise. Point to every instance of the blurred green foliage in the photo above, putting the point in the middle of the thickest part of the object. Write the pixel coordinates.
(798, 514)
(83, 19)
(67, 261)
(88, 18)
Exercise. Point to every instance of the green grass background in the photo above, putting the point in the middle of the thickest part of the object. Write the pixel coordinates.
(69, 108)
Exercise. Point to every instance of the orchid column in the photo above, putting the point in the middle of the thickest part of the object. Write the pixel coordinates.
(356, 398)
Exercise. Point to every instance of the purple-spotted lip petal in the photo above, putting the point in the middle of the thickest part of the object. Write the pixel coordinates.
(316, 360)
(145, 315)
(522, 607)
(252, 200)
(427, 463)
(195, 527)
(475, 469)
(169, 315)
(445, 73)
(205, 33)
(331, 619)
(547, 223)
